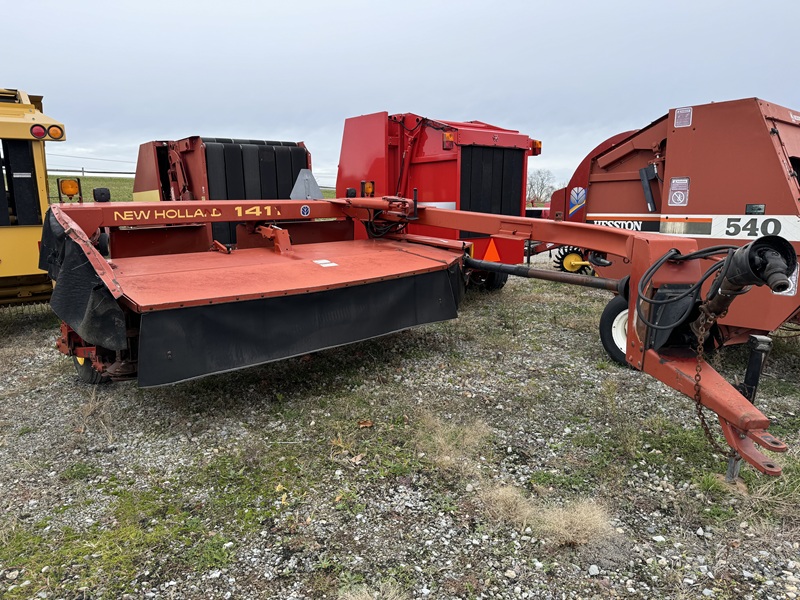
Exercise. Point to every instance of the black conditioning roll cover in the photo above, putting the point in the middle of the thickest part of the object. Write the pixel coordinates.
(80, 297)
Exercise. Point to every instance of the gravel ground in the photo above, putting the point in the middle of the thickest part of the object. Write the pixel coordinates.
(500, 455)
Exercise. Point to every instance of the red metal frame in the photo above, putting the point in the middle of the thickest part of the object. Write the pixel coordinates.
(169, 280)
(70, 343)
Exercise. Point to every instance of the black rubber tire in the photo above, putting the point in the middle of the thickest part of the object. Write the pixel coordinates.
(495, 281)
(608, 325)
(490, 282)
(87, 373)
(102, 244)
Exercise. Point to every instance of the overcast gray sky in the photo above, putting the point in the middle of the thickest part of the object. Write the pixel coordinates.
(570, 73)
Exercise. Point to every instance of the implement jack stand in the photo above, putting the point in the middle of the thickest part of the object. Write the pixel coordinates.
(760, 347)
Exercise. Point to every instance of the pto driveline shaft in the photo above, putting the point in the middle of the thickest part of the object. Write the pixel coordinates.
(599, 283)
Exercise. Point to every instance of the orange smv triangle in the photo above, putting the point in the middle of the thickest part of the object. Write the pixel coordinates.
(491, 253)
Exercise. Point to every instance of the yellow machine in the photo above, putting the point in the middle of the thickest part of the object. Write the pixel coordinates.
(23, 195)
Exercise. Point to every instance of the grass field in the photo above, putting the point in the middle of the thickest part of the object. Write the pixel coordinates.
(121, 188)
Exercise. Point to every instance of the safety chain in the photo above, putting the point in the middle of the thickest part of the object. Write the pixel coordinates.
(701, 335)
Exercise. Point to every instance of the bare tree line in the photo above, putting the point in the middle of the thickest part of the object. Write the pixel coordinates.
(541, 185)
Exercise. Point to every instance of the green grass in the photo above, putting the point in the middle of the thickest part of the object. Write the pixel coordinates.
(164, 529)
(718, 513)
(121, 188)
(80, 471)
(192, 523)
(656, 443)
(156, 521)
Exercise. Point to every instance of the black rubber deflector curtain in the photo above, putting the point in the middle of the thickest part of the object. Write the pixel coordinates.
(180, 344)
(80, 297)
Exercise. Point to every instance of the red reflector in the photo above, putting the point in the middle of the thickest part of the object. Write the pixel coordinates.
(38, 131)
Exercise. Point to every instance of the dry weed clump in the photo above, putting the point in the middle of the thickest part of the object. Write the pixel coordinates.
(95, 411)
(575, 524)
(452, 447)
(7, 529)
(507, 504)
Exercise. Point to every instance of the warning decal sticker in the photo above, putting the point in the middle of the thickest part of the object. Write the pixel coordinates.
(683, 117)
(491, 253)
(326, 263)
(678, 191)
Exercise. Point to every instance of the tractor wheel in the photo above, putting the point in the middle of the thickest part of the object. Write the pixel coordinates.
(566, 259)
(614, 329)
(87, 373)
(102, 244)
(490, 282)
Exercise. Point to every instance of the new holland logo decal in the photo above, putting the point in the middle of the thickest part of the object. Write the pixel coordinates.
(577, 199)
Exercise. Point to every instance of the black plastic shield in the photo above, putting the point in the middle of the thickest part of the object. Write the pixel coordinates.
(181, 344)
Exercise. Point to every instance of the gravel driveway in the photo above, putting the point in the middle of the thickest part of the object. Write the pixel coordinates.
(501, 455)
